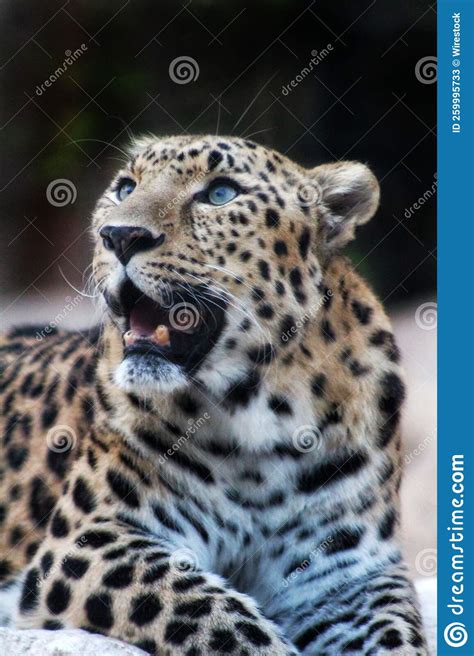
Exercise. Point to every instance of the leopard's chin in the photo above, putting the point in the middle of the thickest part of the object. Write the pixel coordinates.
(146, 376)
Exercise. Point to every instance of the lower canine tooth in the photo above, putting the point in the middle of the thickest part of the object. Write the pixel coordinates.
(162, 335)
(128, 337)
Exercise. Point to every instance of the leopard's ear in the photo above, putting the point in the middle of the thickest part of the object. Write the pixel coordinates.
(349, 196)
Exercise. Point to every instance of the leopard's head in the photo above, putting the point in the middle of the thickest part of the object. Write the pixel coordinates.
(208, 250)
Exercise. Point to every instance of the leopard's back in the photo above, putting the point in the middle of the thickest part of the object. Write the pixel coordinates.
(48, 398)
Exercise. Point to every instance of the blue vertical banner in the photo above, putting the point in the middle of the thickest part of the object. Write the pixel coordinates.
(456, 327)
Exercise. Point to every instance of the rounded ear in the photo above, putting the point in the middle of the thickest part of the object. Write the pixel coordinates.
(350, 194)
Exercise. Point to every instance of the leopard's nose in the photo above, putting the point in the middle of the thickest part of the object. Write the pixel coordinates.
(126, 241)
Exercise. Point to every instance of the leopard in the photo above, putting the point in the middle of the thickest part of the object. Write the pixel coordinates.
(215, 467)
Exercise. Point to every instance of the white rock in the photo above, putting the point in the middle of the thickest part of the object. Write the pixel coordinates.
(67, 642)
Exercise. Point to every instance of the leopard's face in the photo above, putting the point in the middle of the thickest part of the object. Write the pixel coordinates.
(208, 250)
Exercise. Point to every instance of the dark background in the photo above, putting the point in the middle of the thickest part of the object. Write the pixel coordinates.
(363, 101)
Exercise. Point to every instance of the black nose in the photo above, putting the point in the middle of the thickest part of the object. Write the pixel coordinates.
(126, 241)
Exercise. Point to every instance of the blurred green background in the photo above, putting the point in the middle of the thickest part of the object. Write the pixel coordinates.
(363, 101)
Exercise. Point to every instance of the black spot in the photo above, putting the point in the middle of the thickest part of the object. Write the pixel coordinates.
(97, 539)
(83, 496)
(75, 568)
(30, 593)
(156, 573)
(214, 159)
(244, 390)
(187, 403)
(295, 277)
(343, 539)
(287, 329)
(266, 311)
(49, 415)
(166, 519)
(262, 354)
(144, 609)
(235, 606)
(123, 488)
(41, 502)
(264, 269)
(345, 464)
(147, 645)
(393, 393)
(59, 525)
(199, 607)
(5, 569)
(318, 385)
(46, 562)
(280, 248)
(222, 641)
(16, 456)
(187, 582)
(53, 625)
(57, 462)
(363, 313)
(327, 331)
(303, 243)
(391, 639)
(119, 577)
(384, 338)
(253, 633)
(279, 405)
(178, 632)
(387, 525)
(58, 597)
(272, 218)
(99, 610)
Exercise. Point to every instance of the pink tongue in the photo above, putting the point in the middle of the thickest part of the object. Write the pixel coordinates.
(141, 321)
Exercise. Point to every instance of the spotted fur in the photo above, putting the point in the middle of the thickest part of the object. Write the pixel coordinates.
(246, 501)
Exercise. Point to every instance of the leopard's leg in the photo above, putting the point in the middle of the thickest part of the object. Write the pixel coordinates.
(366, 614)
(133, 586)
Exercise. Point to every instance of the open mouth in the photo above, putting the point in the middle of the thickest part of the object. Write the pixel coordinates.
(182, 333)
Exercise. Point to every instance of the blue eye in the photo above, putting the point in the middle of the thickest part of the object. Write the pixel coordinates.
(221, 193)
(125, 188)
